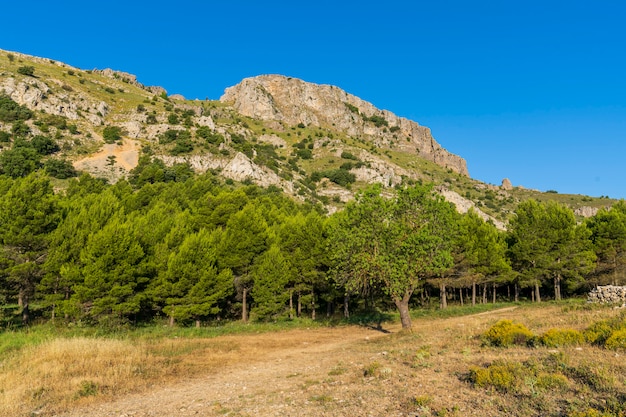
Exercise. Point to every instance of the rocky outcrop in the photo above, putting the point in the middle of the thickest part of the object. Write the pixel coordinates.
(292, 101)
(35, 95)
(609, 294)
(130, 79)
(463, 205)
(506, 184)
(586, 211)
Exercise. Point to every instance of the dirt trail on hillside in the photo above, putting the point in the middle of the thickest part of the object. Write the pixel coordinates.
(318, 372)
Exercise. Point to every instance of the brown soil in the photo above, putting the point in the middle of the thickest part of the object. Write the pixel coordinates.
(126, 158)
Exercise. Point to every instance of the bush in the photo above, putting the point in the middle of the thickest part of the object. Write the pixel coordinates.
(182, 146)
(4, 137)
(304, 153)
(173, 119)
(112, 134)
(617, 340)
(506, 333)
(598, 332)
(11, 111)
(60, 168)
(19, 161)
(348, 155)
(44, 145)
(501, 376)
(20, 129)
(27, 70)
(207, 134)
(562, 337)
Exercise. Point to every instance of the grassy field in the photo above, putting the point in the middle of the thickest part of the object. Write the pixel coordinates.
(444, 367)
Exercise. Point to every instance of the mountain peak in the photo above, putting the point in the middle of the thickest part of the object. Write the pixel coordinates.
(291, 101)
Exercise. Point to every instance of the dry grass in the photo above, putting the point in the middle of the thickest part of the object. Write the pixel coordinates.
(323, 371)
(65, 373)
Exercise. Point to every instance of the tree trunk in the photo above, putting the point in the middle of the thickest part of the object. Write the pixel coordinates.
(443, 303)
(198, 324)
(299, 310)
(244, 305)
(494, 293)
(24, 302)
(461, 296)
(291, 305)
(171, 321)
(313, 307)
(537, 295)
(557, 287)
(473, 293)
(403, 308)
(346, 306)
(484, 293)
(516, 292)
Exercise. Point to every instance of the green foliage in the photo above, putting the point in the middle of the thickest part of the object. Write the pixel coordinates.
(60, 168)
(304, 153)
(392, 245)
(112, 134)
(211, 137)
(348, 155)
(562, 337)
(27, 70)
(182, 146)
(352, 108)
(502, 376)
(5, 137)
(44, 145)
(10, 111)
(272, 272)
(19, 161)
(338, 176)
(173, 119)
(617, 340)
(379, 121)
(20, 129)
(507, 333)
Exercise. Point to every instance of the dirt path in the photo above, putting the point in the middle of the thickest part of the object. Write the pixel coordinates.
(266, 385)
(318, 372)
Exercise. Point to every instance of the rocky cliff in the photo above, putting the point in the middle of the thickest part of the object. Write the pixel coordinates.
(292, 101)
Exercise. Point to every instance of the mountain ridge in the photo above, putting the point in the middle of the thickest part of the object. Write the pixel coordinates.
(316, 142)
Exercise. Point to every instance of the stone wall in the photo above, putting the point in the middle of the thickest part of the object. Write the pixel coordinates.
(607, 294)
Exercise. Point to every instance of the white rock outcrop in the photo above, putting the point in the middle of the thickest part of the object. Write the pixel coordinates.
(292, 101)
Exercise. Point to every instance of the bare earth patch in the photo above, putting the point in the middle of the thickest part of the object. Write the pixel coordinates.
(125, 157)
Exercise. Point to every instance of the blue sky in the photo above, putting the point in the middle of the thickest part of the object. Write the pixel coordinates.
(533, 91)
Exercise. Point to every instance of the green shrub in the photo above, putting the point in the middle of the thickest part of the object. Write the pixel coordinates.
(173, 119)
(598, 332)
(590, 412)
(506, 333)
(112, 134)
(348, 155)
(617, 340)
(11, 111)
(551, 382)
(502, 376)
(562, 337)
(27, 70)
(44, 145)
(60, 168)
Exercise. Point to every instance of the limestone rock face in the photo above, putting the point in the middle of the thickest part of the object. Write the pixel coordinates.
(463, 205)
(33, 94)
(586, 211)
(292, 101)
(506, 184)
